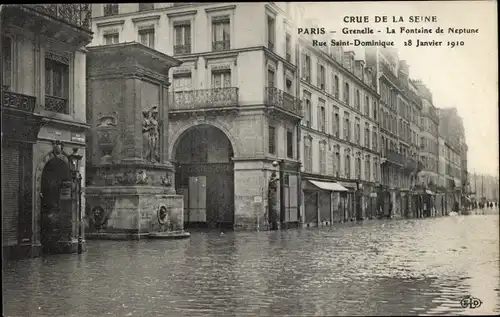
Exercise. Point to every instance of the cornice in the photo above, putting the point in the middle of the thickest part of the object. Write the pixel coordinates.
(181, 13)
(110, 23)
(146, 18)
(223, 8)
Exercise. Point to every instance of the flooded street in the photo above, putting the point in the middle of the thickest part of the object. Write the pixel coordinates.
(408, 267)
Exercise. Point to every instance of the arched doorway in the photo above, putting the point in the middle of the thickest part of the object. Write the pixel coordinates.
(56, 205)
(205, 177)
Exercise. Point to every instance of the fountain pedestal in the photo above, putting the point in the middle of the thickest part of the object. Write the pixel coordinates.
(129, 192)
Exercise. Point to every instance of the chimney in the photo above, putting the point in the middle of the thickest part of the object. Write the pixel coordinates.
(349, 60)
(404, 68)
(359, 69)
(369, 75)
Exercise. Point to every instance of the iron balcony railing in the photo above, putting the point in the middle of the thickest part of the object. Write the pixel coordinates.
(395, 157)
(18, 101)
(76, 14)
(278, 98)
(204, 99)
(56, 104)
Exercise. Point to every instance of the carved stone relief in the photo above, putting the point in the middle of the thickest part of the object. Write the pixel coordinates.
(107, 134)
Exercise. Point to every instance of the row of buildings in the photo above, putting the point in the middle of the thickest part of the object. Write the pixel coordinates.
(353, 136)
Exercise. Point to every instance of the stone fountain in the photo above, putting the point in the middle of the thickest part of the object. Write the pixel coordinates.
(129, 192)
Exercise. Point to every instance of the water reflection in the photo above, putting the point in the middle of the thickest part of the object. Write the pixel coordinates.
(413, 267)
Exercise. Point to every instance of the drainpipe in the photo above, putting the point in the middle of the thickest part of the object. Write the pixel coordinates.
(299, 137)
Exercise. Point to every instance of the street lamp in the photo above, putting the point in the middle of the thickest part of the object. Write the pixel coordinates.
(272, 197)
(74, 160)
(358, 199)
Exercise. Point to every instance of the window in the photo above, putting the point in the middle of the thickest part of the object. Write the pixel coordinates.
(367, 136)
(270, 78)
(110, 9)
(56, 86)
(346, 93)
(374, 141)
(306, 67)
(182, 33)
(321, 77)
(271, 30)
(289, 144)
(112, 38)
(367, 168)
(308, 154)
(6, 62)
(367, 106)
(288, 47)
(358, 100)
(272, 140)
(308, 114)
(147, 37)
(221, 79)
(336, 124)
(337, 88)
(146, 6)
(221, 39)
(347, 166)
(322, 157)
(182, 85)
(321, 116)
(347, 128)
(336, 165)
(357, 132)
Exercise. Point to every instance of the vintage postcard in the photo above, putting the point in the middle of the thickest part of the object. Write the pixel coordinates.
(250, 158)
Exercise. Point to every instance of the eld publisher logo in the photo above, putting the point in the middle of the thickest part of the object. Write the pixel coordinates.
(470, 302)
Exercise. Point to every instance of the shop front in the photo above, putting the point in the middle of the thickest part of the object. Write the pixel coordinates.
(324, 202)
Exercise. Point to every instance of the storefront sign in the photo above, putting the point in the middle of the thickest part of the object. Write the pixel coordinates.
(78, 137)
(65, 193)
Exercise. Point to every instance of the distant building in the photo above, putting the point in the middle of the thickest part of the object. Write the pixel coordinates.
(400, 111)
(339, 134)
(428, 138)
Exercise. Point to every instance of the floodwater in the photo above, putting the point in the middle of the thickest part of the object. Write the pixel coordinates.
(393, 267)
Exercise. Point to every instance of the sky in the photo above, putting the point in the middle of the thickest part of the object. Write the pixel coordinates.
(465, 77)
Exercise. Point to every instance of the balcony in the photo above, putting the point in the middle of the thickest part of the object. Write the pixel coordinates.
(18, 101)
(217, 99)
(280, 99)
(182, 49)
(68, 23)
(56, 104)
(221, 45)
(19, 122)
(395, 158)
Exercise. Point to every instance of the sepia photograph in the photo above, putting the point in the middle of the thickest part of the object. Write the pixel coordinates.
(250, 159)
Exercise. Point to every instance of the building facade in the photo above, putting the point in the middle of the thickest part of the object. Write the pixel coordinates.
(226, 128)
(452, 147)
(43, 123)
(400, 112)
(339, 135)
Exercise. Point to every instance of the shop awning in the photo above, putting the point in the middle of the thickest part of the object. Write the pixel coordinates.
(429, 192)
(334, 187)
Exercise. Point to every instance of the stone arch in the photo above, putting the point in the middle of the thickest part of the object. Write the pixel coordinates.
(38, 188)
(177, 137)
